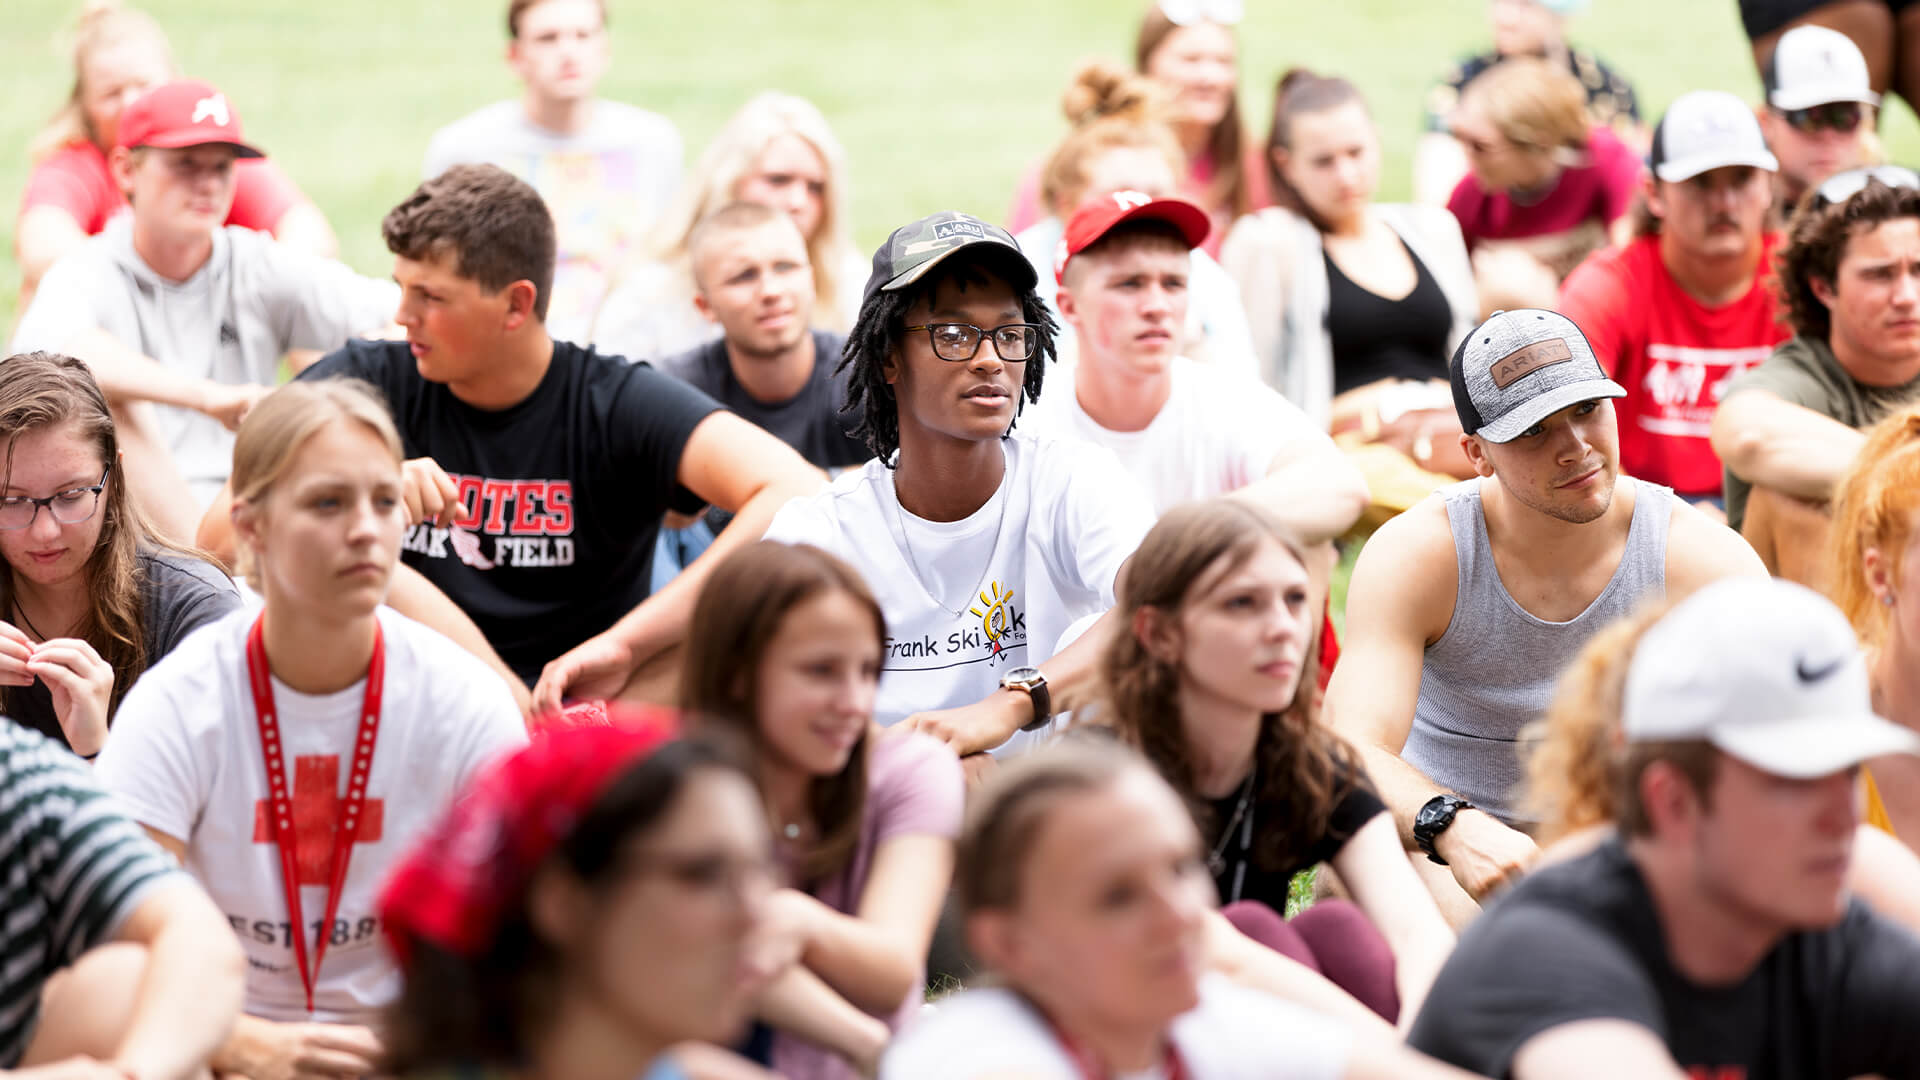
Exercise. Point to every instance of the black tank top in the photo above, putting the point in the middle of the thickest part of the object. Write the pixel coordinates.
(1376, 338)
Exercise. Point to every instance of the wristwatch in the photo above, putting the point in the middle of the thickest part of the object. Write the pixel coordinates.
(1433, 819)
(1034, 684)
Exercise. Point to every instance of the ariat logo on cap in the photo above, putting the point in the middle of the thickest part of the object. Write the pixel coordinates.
(947, 230)
(1526, 360)
(213, 108)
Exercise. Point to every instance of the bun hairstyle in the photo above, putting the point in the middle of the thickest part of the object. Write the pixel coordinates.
(1301, 91)
(1107, 107)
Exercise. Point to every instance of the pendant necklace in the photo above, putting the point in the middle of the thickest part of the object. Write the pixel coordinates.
(1242, 820)
(913, 560)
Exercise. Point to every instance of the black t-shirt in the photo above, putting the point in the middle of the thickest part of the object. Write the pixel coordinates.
(569, 485)
(1581, 941)
(811, 421)
(1240, 876)
(178, 595)
(1376, 338)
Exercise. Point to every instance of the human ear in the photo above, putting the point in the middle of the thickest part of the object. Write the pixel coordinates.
(1157, 634)
(1822, 290)
(1476, 454)
(520, 297)
(558, 905)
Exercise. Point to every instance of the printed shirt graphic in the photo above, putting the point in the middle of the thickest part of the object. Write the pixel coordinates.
(185, 760)
(1040, 556)
(1673, 354)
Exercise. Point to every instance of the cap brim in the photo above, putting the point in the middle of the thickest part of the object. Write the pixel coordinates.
(1193, 222)
(1809, 748)
(1536, 409)
(1023, 275)
(183, 140)
(1809, 96)
(1689, 167)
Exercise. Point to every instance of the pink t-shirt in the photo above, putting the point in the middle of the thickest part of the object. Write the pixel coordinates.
(914, 788)
(76, 179)
(1599, 190)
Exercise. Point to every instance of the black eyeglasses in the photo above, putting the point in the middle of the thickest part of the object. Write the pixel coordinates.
(957, 341)
(70, 507)
(1840, 187)
(1844, 117)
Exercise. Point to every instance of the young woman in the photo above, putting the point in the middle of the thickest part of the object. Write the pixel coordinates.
(1119, 141)
(118, 54)
(585, 905)
(89, 597)
(785, 648)
(1084, 888)
(1208, 682)
(1355, 306)
(777, 150)
(1544, 188)
(289, 757)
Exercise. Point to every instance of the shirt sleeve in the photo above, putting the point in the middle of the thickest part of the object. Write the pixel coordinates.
(189, 594)
(62, 306)
(262, 194)
(653, 417)
(64, 182)
(802, 521)
(154, 762)
(1099, 515)
(1786, 381)
(1595, 297)
(918, 787)
(319, 303)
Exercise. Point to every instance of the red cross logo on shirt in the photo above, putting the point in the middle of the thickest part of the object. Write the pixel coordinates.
(316, 813)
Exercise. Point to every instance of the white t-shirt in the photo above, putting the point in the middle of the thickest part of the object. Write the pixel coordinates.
(605, 185)
(1218, 432)
(231, 322)
(1233, 1034)
(185, 759)
(966, 601)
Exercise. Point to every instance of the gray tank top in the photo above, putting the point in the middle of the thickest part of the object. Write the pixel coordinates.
(1492, 673)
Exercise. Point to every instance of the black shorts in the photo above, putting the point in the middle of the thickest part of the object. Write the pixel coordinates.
(1763, 17)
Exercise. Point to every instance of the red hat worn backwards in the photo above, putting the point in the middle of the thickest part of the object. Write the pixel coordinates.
(1097, 216)
(180, 114)
(453, 889)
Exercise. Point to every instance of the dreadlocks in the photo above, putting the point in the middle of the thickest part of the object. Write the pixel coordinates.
(877, 335)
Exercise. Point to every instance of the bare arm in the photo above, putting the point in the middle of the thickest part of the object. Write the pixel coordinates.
(1375, 871)
(126, 374)
(874, 957)
(1701, 550)
(1595, 1050)
(46, 233)
(192, 988)
(1769, 441)
(303, 226)
(799, 1003)
(1374, 1060)
(1252, 964)
(1886, 874)
(1312, 486)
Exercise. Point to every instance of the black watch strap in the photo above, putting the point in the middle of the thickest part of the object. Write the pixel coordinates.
(1436, 817)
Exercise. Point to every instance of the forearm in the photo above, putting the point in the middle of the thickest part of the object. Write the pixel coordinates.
(799, 1003)
(412, 595)
(1319, 499)
(1401, 786)
(874, 968)
(189, 996)
(1252, 964)
(1417, 959)
(1769, 442)
(125, 374)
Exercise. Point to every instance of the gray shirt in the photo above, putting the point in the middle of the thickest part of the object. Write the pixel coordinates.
(1493, 671)
(231, 322)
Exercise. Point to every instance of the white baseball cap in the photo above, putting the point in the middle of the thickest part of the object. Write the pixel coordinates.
(1813, 65)
(1767, 671)
(1707, 129)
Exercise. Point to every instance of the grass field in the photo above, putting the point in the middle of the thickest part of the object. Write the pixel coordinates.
(941, 102)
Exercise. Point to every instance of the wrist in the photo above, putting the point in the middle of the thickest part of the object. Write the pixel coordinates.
(1455, 841)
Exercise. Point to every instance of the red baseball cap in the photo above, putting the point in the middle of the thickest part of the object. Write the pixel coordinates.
(180, 114)
(1099, 215)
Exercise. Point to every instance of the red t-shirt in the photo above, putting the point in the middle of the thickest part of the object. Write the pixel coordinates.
(1599, 190)
(75, 178)
(1673, 354)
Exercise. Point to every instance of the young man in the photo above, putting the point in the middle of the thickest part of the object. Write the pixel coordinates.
(539, 470)
(983, 546)
(1789, 429)
(1714, 937)
(1685, 307)
(606, 169)
(168, 306)
(1463, 611)
(78, 878)
(1818, 114)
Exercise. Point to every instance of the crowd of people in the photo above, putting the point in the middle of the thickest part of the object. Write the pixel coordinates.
(645, 638)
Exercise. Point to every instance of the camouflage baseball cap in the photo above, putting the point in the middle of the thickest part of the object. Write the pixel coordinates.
(918, 247)
(1520, 367)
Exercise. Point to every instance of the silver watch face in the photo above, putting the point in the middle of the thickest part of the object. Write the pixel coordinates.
(1022, 678)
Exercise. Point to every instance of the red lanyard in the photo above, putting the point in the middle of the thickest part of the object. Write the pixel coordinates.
(346, 830)
(1089, 1065)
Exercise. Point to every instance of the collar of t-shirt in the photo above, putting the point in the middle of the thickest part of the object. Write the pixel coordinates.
(951, 557)
(119, 239)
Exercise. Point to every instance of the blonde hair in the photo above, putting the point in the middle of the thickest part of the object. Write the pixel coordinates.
(276, 429)
(728, 159)
(1108, 107)
(103, 24)
(1533, 104)
(1874, 506)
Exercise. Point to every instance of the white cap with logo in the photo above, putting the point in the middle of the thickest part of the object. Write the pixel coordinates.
(1707, 129)
(1768, 672)
(1813, 65)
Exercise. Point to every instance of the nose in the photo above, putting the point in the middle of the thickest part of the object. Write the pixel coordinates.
(43, 527)
(854, 694)
(1839, 805)
(1573, 443)
(1906, 287)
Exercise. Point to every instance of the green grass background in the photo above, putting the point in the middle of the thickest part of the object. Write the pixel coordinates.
(941, 103)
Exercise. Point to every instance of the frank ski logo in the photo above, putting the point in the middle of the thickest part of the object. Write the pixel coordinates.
(993, 630)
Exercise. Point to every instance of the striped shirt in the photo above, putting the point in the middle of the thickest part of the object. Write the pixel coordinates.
(72, 868)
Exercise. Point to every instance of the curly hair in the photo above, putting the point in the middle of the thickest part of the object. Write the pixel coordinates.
(878, 338)
(1304, 769)
(1873, 507)
(1816, 242)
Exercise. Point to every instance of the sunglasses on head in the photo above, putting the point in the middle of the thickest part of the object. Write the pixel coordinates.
(1840, 187)
(1844, 117)
(1189, 12)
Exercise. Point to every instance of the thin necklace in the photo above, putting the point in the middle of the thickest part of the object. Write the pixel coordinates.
(1217, 860)
(22, 612)
(913, 560)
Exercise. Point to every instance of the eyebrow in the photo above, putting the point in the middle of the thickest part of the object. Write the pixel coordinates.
(1007, 315)
(69, 485)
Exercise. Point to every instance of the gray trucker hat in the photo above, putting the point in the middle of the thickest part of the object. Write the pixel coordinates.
(1520, 367)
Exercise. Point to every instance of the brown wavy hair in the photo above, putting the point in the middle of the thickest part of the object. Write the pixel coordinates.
(1304, 769)
(1817, 240)
(1226, 144)
(1873, 507)
(1107, 107)
(1538, 106)
(39, 390)
(1301, 91)
(740, 609)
